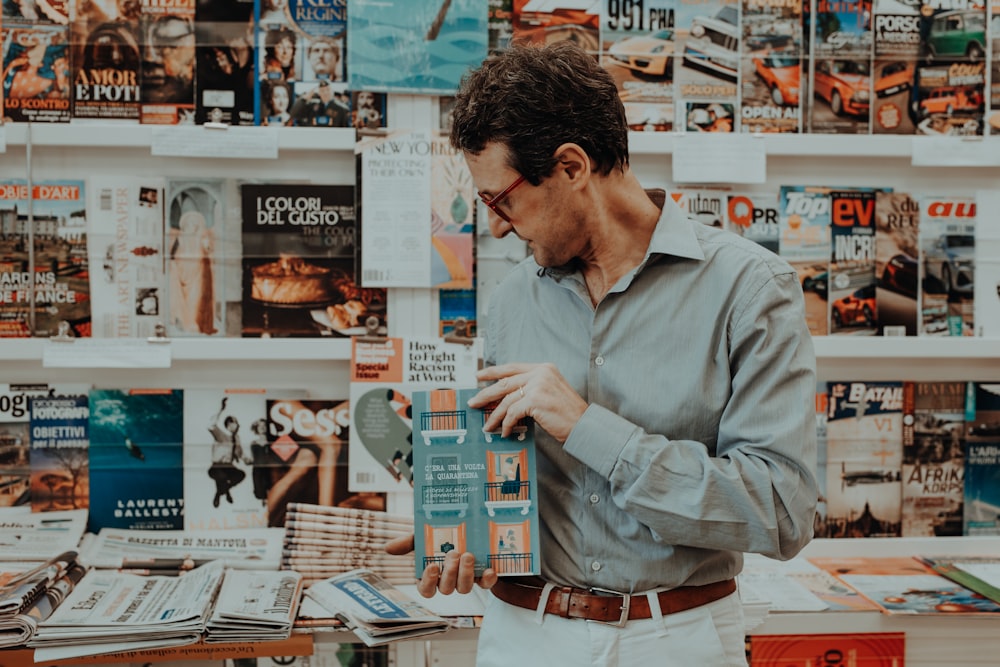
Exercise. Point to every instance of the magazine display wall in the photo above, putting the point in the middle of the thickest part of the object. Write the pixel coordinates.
(327, 156)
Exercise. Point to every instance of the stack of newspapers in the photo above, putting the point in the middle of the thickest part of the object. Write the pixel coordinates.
(322, 541)
(165, 551)
(29, 594)
(255, 605)
(110, 611)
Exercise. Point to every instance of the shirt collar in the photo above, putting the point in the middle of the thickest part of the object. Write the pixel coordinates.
(674, 233)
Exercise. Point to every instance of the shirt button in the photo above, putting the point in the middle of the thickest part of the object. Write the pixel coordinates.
(594, 498)
(599, 360)
(595, 566)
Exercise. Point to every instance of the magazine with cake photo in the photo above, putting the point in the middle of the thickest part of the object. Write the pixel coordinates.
(299, 263)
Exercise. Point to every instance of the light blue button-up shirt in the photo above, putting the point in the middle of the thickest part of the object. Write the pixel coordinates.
(699, 442)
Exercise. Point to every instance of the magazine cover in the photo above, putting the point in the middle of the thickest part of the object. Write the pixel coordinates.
(772, 65)
(852, 301)
(843, 29)
(707, 41)
(706, 204)
(933, 458)
(473, 490)
(897, 249)
(299, 248)
(501, 25)
(862, 649)
(106, 59)
(842, 91)
(986, 308)
(977, 573)
(896, 31)
(384, 374)
(414, 46)
(994, 118)
(754, 215)
(136, 459)
(167, 84)
(128, 283)
(319, 95)
(453, 209)
(457, 312)
(60, 473)
(947, 262)
(544, 22)
(637, 49)
(820, 526)
(804, 221)
(36, 71)
(59, 253)
(864, 459)
(15, 436)
(982, 460)
(224, 62)
(278, 55)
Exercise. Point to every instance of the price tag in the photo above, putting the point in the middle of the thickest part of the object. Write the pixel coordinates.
(719, 158)
(955, 152)
(105, 353)
(201, 141)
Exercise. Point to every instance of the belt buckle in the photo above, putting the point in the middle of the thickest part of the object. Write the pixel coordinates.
(626, 604)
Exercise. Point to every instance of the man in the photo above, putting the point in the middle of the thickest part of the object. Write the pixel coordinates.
(323, 55)
(667, 367)
(319, 107)
(168, 70)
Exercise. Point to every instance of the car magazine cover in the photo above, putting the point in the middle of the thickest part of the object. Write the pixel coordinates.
(947, 262)
(299, 249)
(896, 52)
(754, 215)
(15, 436)
(167, 85)
(707, 41)
(44, 283)
(982, 461)
(864, 459)
(706, 204)
(842, 92)
(136, 459)
(545, 22)
(202, 245)
(414, 46)
(933, 458)
(128, 283)
(36, 71)
(106, 59)
(842, 29)
(820, 525)
(60, 473)
(473, 490)
(319, 95)
(862, 649)
(897, 249)
(804, 221)
(772, 64)
(852, 263)
(225, 71)
(384, 374)
(637, 49)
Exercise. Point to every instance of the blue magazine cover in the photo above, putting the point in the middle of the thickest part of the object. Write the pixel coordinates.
(136, 459)
(982, 460)
(473, 491)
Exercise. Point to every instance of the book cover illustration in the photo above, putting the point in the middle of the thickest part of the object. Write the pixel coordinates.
(305, 458)
(707, 42)
(473, 490)
(136, 459)
(804, 222)
(453, 209)
(15, 436)
(861, 649)
(299, 249)
(384, 374)
(982, 460)
(897, 267)
(853, 308)
(60, 462)
(754, 216)
(947, 263)
(414, 46)
(225, 68)
(167, 83)
(35, 299)
(977, 573)
(36, 71)
(106, 60)
(771, 67)
(128, 283)
(864, 459)
(933, 458)
(638, 50)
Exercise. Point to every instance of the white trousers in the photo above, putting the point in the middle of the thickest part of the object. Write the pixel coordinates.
(711, 635)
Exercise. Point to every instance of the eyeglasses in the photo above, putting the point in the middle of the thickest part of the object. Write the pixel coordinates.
(491, 203)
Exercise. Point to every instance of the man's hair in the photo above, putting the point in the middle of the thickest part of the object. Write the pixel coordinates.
(533, 99)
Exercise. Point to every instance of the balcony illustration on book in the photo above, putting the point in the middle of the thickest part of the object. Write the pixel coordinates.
(519, 429)
(473, 492)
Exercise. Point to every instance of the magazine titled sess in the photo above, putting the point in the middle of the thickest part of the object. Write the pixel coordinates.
(377, 611)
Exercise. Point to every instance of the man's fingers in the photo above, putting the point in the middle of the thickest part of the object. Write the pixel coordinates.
(466, 573)
(400, 546)
(489, 578)
(427, 585)
(449, 573)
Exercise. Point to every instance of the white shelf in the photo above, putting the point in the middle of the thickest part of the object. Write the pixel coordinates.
(909, 347)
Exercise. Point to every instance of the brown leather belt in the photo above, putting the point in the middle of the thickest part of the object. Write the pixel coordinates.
(570, 602)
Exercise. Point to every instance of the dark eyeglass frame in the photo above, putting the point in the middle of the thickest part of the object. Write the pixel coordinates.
(491, 202)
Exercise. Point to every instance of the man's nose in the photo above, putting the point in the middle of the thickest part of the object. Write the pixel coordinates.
(499, 227)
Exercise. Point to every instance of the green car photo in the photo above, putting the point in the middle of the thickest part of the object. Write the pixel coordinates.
(958, 33)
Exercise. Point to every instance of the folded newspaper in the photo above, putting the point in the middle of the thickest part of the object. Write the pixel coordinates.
(255, 605)
(110, 611)
(26, 536)
(251, 548)
(58, 577)
(377, 611)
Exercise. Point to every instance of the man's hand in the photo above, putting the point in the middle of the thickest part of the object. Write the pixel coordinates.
(538, 391)
(458, 573)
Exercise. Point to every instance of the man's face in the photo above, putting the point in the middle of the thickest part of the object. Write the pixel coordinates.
(175, 41)
(324, 58)
(366, 100)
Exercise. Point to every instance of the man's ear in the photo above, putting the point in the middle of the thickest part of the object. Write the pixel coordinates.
(574, 162)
